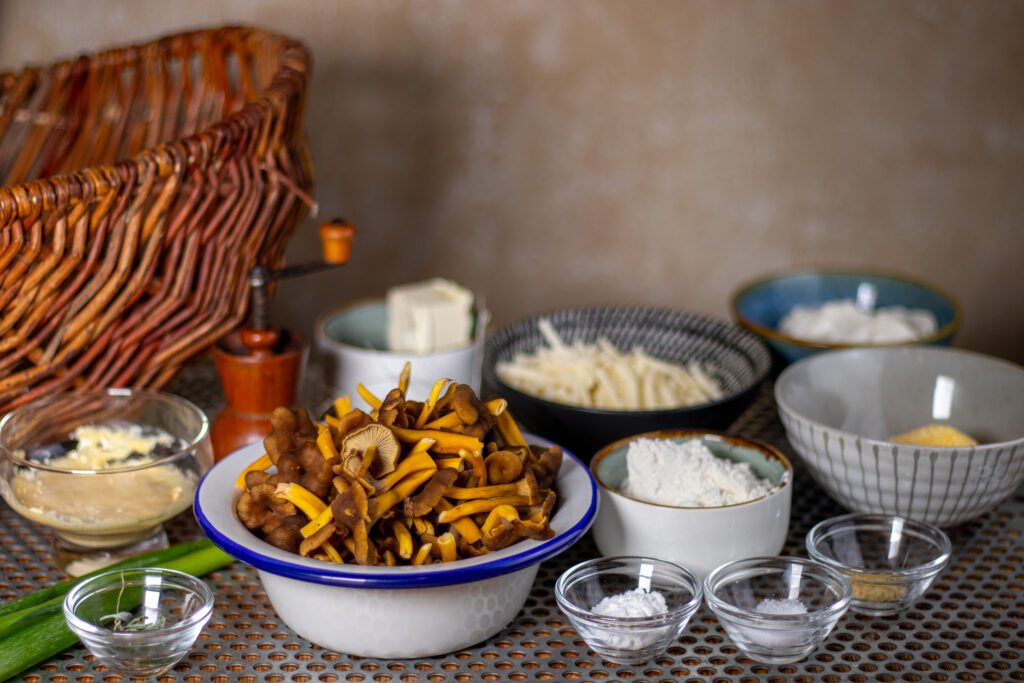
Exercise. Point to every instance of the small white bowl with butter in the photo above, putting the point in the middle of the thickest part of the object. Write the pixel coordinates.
(435, 325)
(696, 498)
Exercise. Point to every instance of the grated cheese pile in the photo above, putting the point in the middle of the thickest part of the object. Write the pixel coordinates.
(600, 376)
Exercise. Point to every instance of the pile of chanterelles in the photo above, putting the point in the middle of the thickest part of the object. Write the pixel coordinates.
(408, 483)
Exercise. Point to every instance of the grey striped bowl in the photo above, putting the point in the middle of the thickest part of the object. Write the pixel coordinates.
(840, 407)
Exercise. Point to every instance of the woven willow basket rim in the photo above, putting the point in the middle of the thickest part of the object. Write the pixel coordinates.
(156, 177)
(28, 198)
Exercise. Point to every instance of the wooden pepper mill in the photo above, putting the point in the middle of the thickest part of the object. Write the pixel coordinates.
(260, 366)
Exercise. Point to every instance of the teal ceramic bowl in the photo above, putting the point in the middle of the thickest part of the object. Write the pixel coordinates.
(761, 304)
(698, 538)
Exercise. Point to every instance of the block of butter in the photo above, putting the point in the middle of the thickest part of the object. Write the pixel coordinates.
(428, 316)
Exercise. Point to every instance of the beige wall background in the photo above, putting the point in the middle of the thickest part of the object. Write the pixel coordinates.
(551, 154)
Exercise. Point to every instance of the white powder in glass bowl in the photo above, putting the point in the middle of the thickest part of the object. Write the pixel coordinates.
(635, 603)
(687, 474)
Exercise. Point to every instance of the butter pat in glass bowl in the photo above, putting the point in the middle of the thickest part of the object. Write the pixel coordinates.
(699, 538)
(104, 469)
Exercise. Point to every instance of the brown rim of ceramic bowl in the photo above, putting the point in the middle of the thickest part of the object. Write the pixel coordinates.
(773, 334)
(769, 451)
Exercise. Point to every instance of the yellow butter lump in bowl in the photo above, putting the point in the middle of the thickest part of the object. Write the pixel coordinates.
(935, 435)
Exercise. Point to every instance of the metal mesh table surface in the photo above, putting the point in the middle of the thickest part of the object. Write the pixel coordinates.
(969, 626)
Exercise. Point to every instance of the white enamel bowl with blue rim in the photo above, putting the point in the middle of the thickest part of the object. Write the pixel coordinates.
(394, 612)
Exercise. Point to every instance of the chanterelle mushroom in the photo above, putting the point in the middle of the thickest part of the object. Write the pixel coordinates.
(381, 437)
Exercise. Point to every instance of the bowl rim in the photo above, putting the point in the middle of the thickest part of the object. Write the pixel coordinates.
(186, 451)
(774, 335)
(217, 518)
(183, 581)
(786, 409)
(762, 363)
(673, 615)
(768, 450)
(939, 539)
(831, 613)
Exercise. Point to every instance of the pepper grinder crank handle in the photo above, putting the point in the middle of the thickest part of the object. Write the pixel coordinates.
(336, 244)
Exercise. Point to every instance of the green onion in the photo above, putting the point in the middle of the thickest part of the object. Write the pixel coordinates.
(37, 631)
(154, 557)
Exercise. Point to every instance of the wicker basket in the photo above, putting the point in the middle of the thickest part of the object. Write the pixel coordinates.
(138, 188)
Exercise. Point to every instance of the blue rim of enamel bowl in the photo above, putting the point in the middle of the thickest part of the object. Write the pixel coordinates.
(240, 543)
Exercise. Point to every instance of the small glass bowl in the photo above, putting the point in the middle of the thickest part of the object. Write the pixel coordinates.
(111, 505)
(628, 639)
(140, 622)
(777, 610)
(890, 561)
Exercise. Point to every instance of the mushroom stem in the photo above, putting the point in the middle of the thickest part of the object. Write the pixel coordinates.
(422, 554)
(302, 498)
(474, 507)
(496, 406)
(446, 421)
(521, 487)
(449, 546)
(508, 429)
(403, 379)
(413, 462)
(467, 528)
(342, 406)
(318, 522)
(476, 461)
(428, 407)
(325, 442)
(403, 537)
(383, 502)
(261, 463)
(445, 442)
(368, 396)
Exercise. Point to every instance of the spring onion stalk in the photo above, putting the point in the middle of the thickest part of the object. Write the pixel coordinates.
(154, 557)
(41, 632)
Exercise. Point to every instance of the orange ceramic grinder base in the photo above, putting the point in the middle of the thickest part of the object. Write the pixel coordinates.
(260, 367)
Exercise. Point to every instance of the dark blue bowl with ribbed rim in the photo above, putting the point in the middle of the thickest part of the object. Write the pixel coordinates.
(735, 357)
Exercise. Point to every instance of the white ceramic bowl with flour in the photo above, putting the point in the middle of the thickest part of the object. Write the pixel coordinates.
(698, 537)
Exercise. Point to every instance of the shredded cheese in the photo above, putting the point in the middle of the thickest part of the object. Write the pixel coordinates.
(601, 376)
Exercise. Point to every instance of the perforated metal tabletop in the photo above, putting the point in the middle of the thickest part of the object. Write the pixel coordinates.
(968, 627)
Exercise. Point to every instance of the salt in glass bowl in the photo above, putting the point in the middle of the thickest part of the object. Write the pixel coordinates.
(743, 593)
(628, 639)
(890, 561)
(140, 622)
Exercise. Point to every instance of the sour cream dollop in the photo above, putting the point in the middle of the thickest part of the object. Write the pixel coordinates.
(841, 321)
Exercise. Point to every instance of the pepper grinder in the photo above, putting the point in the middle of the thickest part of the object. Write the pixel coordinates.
(260, 366)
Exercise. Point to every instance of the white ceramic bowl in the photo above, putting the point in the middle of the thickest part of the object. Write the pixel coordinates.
(839, 408)
(352, 343)
(394, 612)
(698, 538)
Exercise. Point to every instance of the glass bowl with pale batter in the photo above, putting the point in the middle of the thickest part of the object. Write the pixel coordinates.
(104, 469)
